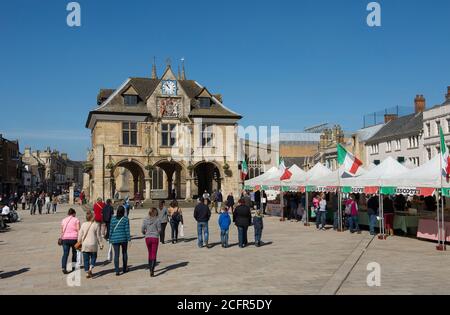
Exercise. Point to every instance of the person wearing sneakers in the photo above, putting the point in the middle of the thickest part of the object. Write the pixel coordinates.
(90, 237)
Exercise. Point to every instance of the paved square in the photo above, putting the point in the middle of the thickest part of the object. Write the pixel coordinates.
(296, 260)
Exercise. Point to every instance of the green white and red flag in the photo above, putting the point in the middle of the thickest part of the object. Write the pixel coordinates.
(244, 170)
(444, 155)
(286, 173)
(350, 162)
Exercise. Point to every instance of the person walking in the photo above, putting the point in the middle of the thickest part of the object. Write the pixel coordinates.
(224, 224)
(202, 214)
(351, 208)
(107, 214)
(90, 238)
(163, 218)
(33, 202)
(119, 237)
(258, 225)
(321, 213)
(372, 211)
(70, 226)
(219, 200)
(151, 228)
(230, 202)
(176, 217)
(23, 200)
(54, 203)
(264, 201)
(98, 210)
(48, 203)
(242, 218)
(40, 202)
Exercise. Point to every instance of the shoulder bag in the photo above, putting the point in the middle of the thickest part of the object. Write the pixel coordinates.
(78, 245)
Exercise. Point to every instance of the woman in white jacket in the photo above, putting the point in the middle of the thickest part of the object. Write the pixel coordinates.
(91, 239)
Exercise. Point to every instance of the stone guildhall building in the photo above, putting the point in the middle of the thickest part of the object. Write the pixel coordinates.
(161, 137)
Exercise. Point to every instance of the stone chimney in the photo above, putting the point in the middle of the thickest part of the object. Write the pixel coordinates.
(390, 117)
(419, 104)
(447, 97)
(64, 156)
(27, 152)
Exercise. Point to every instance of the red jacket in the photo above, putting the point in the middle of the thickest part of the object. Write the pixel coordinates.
(98, 211)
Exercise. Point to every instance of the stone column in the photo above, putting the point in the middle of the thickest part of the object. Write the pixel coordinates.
(188, 196)
(99, 172)
(148, 188)
(71, 195)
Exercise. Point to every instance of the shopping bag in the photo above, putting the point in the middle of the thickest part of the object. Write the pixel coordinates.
(181, 230)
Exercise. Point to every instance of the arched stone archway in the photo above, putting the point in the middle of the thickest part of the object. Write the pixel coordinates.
(174, 180)
(207, 176)
(128, 179)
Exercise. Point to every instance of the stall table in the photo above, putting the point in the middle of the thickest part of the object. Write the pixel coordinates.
(405, 222)
(428, 229)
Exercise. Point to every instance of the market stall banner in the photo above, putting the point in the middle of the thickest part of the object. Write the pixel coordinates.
(409, 191)
(324, 189)
(293, 189)
(446, 192)
(360, 190)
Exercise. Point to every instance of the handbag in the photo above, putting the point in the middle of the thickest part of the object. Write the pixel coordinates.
(78, 245)
(64, 231)
(181, 230)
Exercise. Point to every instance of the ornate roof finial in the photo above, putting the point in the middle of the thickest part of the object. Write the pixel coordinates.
(168, 62)
(183, 75)
(179, 73)
(154, 74)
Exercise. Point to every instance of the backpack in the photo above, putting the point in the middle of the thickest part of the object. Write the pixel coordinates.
(176, 216)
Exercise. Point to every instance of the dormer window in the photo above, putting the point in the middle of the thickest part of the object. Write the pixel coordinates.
(130, 100)
(205, 102)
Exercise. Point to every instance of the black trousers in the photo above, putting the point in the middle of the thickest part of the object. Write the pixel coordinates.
(162, 235)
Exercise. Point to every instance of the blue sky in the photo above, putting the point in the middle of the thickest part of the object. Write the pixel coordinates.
(287, 63)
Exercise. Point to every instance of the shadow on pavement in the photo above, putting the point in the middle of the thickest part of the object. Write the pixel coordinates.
(171, 267)
(4, 275)
(189, 239)
(113, 271)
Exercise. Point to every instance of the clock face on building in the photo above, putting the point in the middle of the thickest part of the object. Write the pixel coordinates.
(169, 87)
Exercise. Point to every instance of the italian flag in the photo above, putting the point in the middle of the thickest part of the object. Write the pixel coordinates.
(444, 155)
(244, 170)
(351, 163)
(286, 174)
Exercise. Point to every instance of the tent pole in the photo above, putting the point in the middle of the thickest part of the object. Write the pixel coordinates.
(339, 209)
(442, 220)
(306, 206)
(438, 220)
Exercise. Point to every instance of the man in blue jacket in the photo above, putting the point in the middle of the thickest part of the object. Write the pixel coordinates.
(224, 224)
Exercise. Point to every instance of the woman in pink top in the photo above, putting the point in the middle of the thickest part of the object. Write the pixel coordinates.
(69, 236)
(353, 218)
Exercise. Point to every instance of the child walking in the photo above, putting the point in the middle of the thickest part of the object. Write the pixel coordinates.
(258, 225)
(224, 224)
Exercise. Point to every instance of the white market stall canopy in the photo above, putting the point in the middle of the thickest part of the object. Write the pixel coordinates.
(378, 176)
(331, 180)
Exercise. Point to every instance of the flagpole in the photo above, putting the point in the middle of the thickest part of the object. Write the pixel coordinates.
(339, 192)
(441, 233)
(439, 247)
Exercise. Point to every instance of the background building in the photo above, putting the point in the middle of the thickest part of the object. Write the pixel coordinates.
(160, 136)
(10, 166)
(433, 118)
(400, 138)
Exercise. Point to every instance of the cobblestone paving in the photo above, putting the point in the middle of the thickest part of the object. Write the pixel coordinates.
(295, 260)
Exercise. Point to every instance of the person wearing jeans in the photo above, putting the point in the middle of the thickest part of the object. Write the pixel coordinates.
(163, 218)
(242, 218)
(203, 234)
(202, 214)
(119, 237)
(224, 224)
(353, 218)
(70, 226)
(90, 237)
(176, 217)
(322, 213)
(372, 210)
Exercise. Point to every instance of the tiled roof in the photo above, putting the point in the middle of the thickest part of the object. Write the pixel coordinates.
(401, 127)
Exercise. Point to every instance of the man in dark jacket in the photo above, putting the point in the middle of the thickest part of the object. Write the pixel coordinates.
(202, 213)
(372, 211)
(107, 213)
(242, 217)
